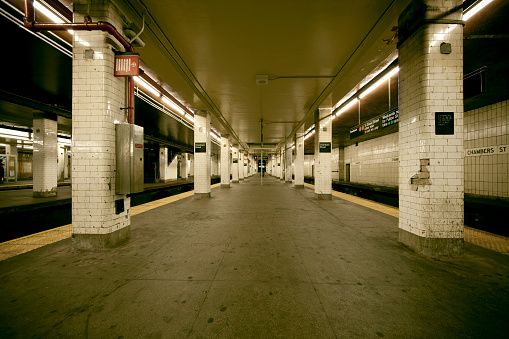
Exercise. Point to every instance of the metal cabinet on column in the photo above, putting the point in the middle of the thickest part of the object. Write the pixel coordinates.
(129, 156)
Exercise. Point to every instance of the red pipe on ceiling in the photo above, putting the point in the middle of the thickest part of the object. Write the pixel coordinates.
(87, 25)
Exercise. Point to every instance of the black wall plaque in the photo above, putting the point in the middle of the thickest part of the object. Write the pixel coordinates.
(200, 147)
(444, 123)
(235, 161)
(324, 147)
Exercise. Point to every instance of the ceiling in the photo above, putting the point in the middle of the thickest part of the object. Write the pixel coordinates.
(210, 52)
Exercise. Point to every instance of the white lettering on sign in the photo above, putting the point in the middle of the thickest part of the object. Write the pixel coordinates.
(490, 150)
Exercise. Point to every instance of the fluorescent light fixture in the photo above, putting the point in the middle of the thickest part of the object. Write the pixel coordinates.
(189, 117)
(10, 133)
(309, 134)
(309, 129)
(473, 10)
(64, 141)
(173, 105)
(379, 82)
(49, 14)
(350, 104)
(147, 86)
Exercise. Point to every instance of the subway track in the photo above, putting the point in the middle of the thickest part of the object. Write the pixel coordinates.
(22, 215)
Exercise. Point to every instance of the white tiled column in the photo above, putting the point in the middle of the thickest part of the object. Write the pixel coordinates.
(45, 155)
(278, 164)
(225, 161)
(235, 163)
(202, 159)
(97, 100)
(299, 158)
(323, 154)
(183, 166)
(431, 169)
(163, 162)
(288, 162)
(246, 165)
(241, 165)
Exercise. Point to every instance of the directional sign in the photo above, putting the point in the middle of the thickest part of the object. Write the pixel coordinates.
(127, 64)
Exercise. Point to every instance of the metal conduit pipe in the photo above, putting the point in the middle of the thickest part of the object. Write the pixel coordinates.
(87, 25)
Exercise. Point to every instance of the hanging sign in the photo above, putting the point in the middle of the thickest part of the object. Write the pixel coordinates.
(383, 120)
(127, 64)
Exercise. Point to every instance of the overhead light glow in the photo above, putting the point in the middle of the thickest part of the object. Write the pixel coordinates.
(11, 133)
(173, 105)
(64, 141)
(49, 14)
(147, 86)
(190, 117)
(379, 82)
(350, 104)
(472, 11)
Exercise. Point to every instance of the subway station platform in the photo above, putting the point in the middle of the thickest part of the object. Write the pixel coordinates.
(255, 261)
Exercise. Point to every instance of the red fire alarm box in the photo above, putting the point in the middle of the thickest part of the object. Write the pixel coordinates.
(127, 64)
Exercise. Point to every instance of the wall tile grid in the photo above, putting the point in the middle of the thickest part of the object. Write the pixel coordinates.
(45, 154)
(202, 162)
(97, 99)
(374, 161)
(487, 175)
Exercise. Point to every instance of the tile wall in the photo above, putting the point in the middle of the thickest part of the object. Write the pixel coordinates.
(487, 172)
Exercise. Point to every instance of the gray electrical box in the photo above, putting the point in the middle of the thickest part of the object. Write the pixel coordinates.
(129, 154)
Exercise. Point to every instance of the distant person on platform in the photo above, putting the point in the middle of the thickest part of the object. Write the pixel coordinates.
(2, 172)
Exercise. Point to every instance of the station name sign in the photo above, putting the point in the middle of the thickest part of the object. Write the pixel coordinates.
(382, 121)
(324, 147)
(491, 150)
(200, 147)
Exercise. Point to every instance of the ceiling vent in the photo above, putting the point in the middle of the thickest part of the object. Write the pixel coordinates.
(262, 79)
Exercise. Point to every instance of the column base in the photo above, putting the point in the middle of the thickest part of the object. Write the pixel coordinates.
(198, 196)
(235, 181)
(101, 241)
(431, 246)
(225, 185)
(323, 196)
(298, 186)
(288, 182)
(45, 194)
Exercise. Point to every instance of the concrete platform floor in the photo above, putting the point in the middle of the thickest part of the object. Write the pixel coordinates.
(255, 262)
